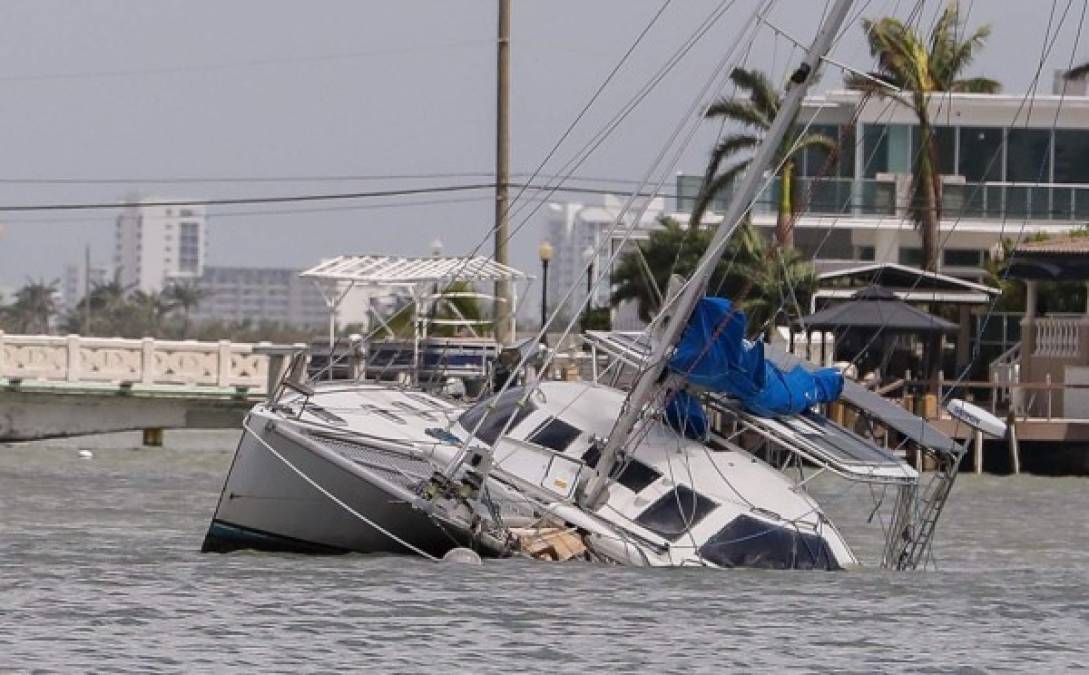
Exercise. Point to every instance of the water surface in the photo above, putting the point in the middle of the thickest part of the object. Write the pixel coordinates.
(100, 570)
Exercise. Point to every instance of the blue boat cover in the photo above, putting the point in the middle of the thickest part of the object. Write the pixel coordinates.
(713, 354)
(684, 413)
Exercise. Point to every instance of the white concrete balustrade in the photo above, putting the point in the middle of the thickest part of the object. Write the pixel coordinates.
(148, 362)
(1057, 337)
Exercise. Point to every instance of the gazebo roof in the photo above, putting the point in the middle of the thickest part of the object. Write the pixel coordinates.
(876, 308)
(910, 284)
(383, 270)
(1058, 258)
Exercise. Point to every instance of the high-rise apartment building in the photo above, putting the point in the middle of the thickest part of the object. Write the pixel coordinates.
(155, 244)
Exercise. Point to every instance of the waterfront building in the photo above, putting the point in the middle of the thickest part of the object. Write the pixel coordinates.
(275, 294)
(1009, 170)
(155, 244)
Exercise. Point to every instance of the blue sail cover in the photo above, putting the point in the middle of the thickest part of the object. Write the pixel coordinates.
(684, 413)
(713, 354)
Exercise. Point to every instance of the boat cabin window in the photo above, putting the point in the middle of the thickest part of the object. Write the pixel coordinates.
(506, 414)
(676, 512)
(748, 542)
(555, 434)
(635, 475)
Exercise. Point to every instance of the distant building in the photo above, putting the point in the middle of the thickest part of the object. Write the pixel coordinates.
(74, 282)
(155, 244)
(574, 229)
(260, 294)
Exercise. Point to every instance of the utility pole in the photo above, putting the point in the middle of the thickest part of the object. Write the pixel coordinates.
(85, 329)
(502, 311)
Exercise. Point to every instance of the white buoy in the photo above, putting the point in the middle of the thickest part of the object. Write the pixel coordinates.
(86, 454)
(465, 556)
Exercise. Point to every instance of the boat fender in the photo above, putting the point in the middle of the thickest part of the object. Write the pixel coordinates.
(462, 555)
(976, 417)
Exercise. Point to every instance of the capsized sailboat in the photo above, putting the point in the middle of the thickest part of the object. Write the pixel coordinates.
(563, 470)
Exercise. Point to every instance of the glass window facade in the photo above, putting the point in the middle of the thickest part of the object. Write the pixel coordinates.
(1071, 156)
(980, 154)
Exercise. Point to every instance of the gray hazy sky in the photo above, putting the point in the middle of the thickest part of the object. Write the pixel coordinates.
(122, 89)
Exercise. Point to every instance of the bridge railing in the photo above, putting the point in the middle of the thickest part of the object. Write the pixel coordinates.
(147, 361)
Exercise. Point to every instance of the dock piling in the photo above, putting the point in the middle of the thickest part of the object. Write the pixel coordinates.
(977, 442)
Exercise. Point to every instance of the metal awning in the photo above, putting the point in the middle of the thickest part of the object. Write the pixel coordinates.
(910, 284)
(381, 270)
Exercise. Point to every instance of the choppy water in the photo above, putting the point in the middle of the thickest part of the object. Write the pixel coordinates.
(100, 570)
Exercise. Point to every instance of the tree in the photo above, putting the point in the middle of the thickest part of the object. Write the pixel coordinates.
(34, 307)
(920, 67)
(150, 309)
(757, 277)
(187, 296)
(754, 113)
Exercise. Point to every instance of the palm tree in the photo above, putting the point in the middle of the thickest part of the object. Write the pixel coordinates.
(754, 113)
(35, 305)
(187, 296)
(151, 307)
(920, 67)
(755, 276)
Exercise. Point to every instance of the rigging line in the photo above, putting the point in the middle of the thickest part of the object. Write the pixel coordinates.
(684, 121)
(1044, 162)
(593, 99)
(691, 230)
(826, 167)
(1029, 96)
(602, 134)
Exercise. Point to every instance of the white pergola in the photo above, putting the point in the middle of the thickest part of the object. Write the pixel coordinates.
(337, 276)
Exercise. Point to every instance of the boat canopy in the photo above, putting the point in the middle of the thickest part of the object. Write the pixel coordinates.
(713, 354)
(384, 270)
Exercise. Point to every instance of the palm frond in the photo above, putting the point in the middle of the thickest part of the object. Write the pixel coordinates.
(743, 112)
(710, 189)
(727, 148)
(814, 140)
(764, 97)
(976, 85)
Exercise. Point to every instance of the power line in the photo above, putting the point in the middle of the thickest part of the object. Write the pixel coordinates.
(332, 196)
(73, 206)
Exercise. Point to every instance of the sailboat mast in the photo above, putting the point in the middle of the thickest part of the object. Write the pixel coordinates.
(649, 382)
(503, 308)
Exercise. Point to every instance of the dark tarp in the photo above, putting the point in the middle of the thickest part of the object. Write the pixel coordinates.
(876, 308)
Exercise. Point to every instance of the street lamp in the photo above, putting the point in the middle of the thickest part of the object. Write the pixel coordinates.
(544, 252)
(588, 259)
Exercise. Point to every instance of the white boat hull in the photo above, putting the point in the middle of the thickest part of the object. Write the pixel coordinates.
(268, 504)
